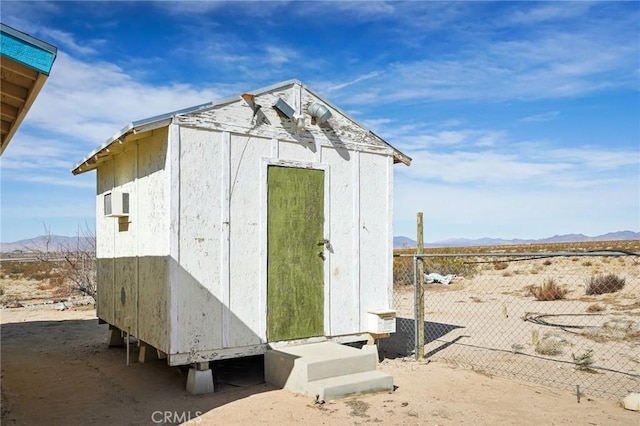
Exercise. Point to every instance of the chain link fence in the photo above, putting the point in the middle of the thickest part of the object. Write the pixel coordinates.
(569, 320)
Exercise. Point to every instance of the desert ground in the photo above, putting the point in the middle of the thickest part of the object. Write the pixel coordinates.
(480, 321)
(58, 369)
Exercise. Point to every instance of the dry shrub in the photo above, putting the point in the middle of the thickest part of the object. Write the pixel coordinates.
(37, 270)
(601, 283)
(549, 345)
(596, 307)
(584, 361)
(527, 290)
(549, 290)
(507, 274)
(587, 263)
(402, 271)
(451, 265)
(617, 330)
(547, 262)
(499, 266)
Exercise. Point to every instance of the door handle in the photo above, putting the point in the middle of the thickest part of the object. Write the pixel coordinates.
(326, 243)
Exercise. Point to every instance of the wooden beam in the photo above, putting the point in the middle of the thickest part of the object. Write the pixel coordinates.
(19, 69)
(8, 112)
(13, 91)
(15, 78)
(5, 126)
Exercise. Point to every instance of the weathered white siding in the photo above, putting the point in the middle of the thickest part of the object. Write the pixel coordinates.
(199, 289)
(344, 256)
(246, 307)
(151, 225)
(186, 271)
(375, 251)
(132, 250)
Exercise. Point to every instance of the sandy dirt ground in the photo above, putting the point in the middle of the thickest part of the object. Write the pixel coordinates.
(58, 370)
(479, 322)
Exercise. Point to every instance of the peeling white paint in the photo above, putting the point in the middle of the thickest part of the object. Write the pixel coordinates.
(188, 274)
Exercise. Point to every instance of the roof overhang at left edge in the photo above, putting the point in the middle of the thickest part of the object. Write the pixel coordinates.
(129, 133)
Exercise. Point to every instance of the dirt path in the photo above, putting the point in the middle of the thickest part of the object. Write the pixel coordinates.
(57, 369)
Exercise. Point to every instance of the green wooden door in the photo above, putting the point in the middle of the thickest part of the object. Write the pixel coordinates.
(295, 279)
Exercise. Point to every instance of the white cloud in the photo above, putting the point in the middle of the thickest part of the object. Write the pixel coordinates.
(356, 80)
(548, 12)
(278, 55)
(548, 66)
(593, 158)
(66, 41)
(524, 211)
(543, 116)
(91, 101)
(359, 9)
(479, 168)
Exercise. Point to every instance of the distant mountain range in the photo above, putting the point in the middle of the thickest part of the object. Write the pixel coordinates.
(61, 243)
(51, 243)
(400, 242)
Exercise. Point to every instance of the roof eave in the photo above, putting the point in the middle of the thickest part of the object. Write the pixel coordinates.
(398, 156)
(88, 163)
(140, 126)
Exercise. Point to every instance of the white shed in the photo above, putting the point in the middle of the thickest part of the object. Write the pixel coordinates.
(227, 228)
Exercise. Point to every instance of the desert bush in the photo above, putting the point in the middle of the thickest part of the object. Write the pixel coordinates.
(601, 283)
(547, 262)
(587, 263)
(37, 270)
(451, 266)
(402, 271)
(583, 362)
(499, 266)
(549, 290)
(596, 307)
(507, 274)
(549, 345)
(75, 267)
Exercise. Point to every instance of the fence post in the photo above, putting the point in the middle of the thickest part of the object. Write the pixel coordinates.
(419, 308)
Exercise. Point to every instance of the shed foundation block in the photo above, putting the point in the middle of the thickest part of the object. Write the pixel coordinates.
(200, 379)
(147, 353)
(115, 337)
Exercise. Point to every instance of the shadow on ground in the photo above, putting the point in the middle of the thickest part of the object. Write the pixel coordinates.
(62, 372)
(402, 343)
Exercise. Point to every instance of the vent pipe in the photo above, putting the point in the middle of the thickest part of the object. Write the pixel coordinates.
(319, 113)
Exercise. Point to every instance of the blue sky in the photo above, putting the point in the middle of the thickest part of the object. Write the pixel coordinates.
(522, 118)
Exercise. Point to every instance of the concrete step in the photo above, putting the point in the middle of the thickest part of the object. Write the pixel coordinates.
(351, 384)
(326, 359)
(327, 369)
